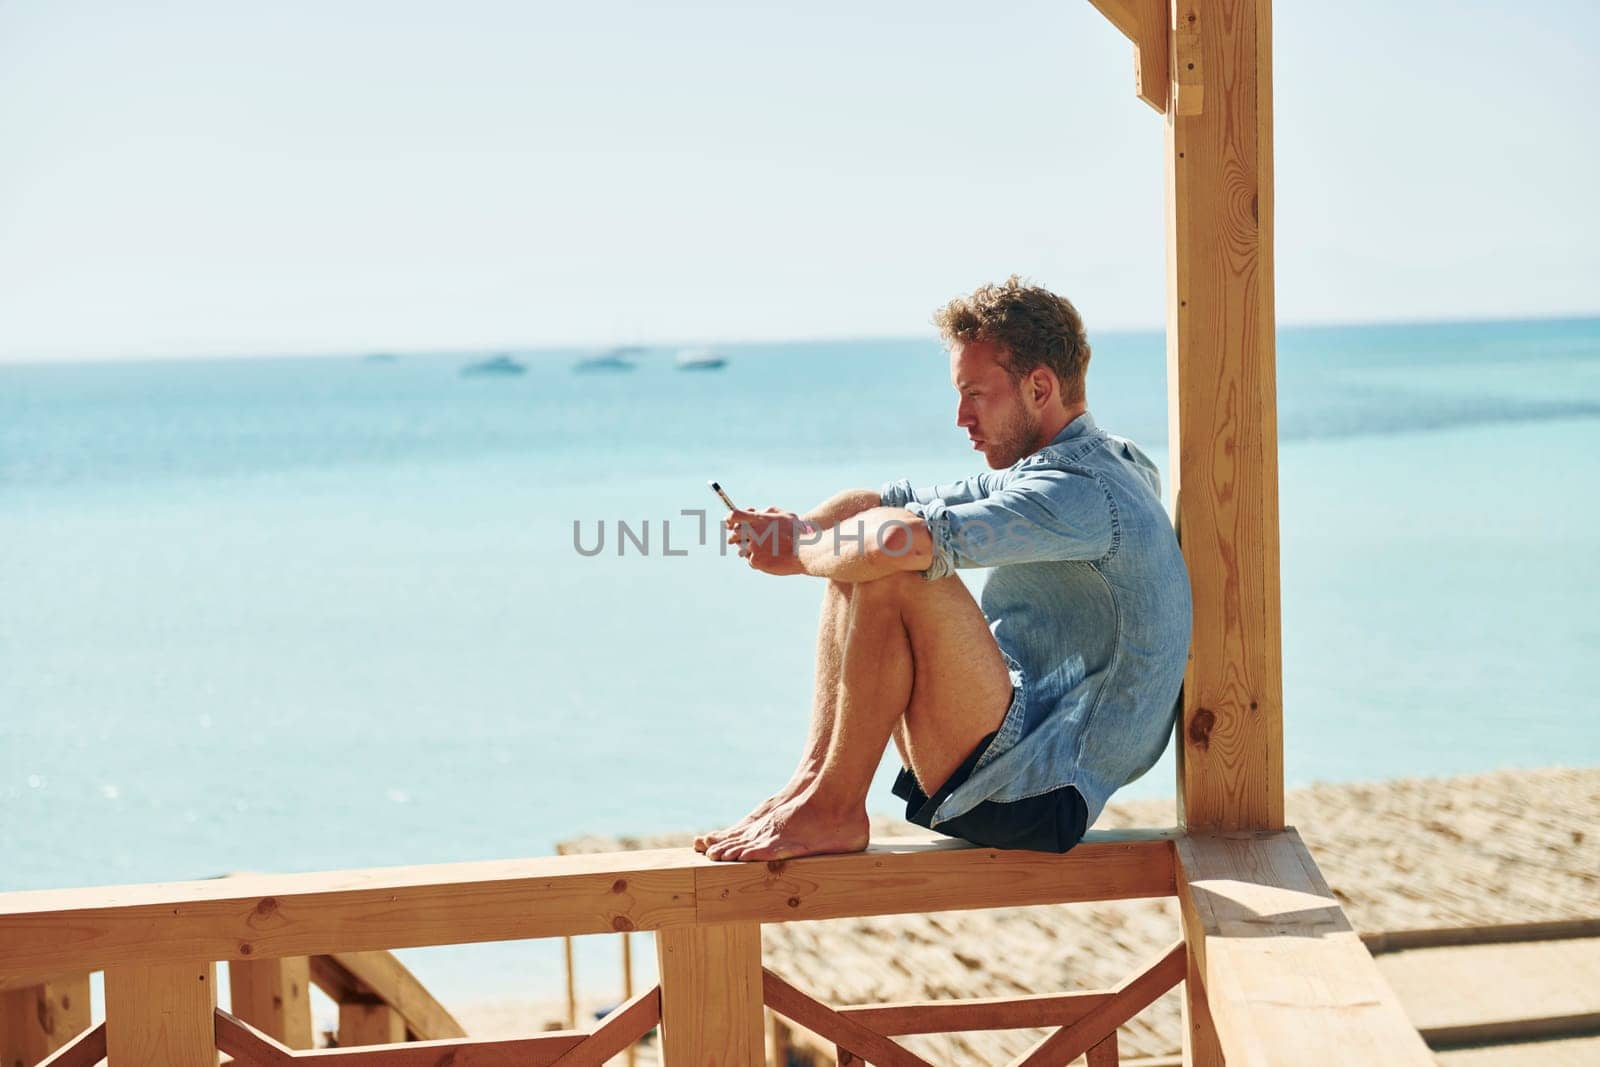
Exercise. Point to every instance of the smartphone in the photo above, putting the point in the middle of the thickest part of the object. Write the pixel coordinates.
(717, 489)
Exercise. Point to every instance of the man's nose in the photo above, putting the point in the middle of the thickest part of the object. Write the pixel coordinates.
(964, 416)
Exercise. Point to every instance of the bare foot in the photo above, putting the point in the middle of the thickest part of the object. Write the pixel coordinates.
(759, 812)
(797, 827)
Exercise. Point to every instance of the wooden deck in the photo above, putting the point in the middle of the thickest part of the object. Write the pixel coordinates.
(1462, 994)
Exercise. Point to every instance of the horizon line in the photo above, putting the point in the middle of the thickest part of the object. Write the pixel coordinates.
(570, 346)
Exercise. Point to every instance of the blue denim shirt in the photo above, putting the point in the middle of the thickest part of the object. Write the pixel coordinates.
(1088, 601)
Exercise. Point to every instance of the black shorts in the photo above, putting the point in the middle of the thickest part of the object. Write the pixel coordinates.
(1050, 822)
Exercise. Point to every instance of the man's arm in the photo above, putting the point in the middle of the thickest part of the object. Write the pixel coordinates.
(870, 544)
(840, 506)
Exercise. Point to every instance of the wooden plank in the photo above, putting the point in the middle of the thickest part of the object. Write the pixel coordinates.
(382, 976)
(274, 996)
(1497, 992)
(936, 876)
(369, 1023)
(247, 1044)
(40, 1019)
(1201, 1046)
(987, 1013)
(1286, 978)
(619, 1032)
(162, 1013)
(1188, 58)
(1103, 1054)
(1144, 23)
(1382, 941)
(238, 1039)
(850, 1035)
(1222, 405)
(85, 1050)
(1128, 999)
(270, 916)
(711, 995)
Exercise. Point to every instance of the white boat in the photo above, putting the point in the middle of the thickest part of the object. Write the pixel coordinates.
(699, 359)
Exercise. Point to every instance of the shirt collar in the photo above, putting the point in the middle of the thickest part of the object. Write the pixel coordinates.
(1078, 427)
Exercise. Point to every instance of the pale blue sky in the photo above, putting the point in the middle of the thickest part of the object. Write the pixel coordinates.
(213, 177)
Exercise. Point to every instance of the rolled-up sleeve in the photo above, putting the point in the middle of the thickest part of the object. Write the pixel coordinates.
(899, 494)
(1039, 515)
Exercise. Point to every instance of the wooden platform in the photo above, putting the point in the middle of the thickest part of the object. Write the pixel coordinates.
(1462, 994)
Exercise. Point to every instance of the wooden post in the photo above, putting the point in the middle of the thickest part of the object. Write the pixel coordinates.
(369, 1023)
(1223, 410)
(711, 995)
(161, 1013)
(627, 986)
(274, 997)
(37, 1020)
(572, 985)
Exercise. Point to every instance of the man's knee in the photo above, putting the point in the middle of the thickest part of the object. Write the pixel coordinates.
(897, 586)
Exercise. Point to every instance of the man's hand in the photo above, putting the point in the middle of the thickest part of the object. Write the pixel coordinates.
(767, 539)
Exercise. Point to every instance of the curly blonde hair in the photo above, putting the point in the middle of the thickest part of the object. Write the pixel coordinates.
(1034, 326)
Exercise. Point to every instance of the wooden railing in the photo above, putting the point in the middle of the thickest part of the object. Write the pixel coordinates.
(1286, 979)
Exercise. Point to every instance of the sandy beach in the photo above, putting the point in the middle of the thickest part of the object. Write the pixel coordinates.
(1510, 846)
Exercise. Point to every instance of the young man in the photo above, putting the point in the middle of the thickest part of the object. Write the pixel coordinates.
(1015, 719)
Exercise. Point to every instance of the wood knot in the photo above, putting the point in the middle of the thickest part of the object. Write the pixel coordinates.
(619, 886)
(1200, 726)
(267, 906)
(776, 866)
(245, 948)
(622, 924)
(794, 902)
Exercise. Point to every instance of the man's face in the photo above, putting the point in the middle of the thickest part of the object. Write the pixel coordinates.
(991, 409)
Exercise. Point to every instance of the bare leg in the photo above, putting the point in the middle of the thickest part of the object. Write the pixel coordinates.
(824, 699)
(913, 652)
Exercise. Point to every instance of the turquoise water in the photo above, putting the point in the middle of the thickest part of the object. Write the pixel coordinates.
(298, 614)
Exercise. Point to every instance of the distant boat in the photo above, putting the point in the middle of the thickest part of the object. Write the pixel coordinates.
(496, 365)
(699, 359)
(614, 360)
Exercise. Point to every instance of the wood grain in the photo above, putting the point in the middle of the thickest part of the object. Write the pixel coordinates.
(39, 1019)
(1223, 411)
(936, 876)
(381, 976)
(162, 1013)
(274, 996)
(271, 916)
(711, 995)
(1286, 979)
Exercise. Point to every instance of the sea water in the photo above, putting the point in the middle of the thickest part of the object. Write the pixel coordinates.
(297, 614)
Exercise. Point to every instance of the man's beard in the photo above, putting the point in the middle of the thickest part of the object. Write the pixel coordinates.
(1017, 437)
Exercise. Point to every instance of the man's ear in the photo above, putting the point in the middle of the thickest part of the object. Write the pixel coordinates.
(1042, 386)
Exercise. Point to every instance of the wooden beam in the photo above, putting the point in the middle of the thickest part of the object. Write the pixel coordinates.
(1145, 23)
(245, 1043)
(85, 1050)
(711, 995)
(853, 1038)
(271, 916)
(369, 1022)
(1286, 978)
(162, 1013)
(355, 976)
(1224, 430)
(40, 1019)
(937, 876)
(618, 1032)
(274, 996)
(987, 1013)
(1128, 999)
